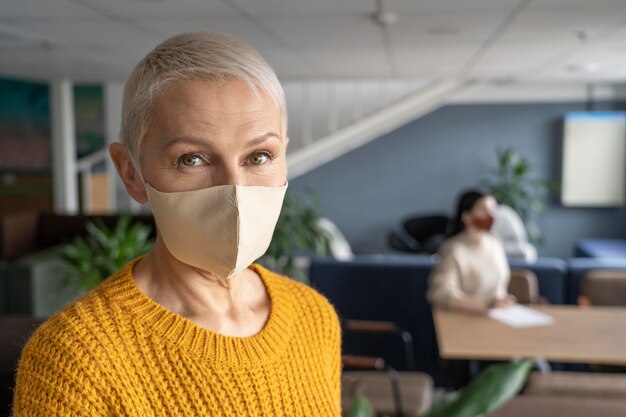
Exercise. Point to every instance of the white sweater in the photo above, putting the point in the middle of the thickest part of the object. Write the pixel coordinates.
(470, 267)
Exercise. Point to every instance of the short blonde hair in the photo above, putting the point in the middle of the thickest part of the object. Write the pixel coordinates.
(192, 56)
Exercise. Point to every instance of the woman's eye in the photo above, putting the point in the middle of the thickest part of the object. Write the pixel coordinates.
(190, 160)
(259, 158)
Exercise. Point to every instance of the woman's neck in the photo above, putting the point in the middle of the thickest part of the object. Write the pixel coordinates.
(474, 234)
(232, 306)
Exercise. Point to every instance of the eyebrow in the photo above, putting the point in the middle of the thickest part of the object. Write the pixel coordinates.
(204, 142)
(258, 140)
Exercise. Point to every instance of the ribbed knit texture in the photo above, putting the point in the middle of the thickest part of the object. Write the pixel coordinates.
(115, 352)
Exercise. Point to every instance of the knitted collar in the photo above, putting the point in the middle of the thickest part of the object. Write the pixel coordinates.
(163, 324)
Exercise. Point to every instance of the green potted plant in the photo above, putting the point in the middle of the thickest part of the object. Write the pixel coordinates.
(103, 251)
(511, 183)
(297, 232)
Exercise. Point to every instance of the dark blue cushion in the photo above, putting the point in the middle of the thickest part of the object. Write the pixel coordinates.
(601, 248)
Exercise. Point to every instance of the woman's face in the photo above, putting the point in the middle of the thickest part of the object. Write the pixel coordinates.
(481, 215)
(206, 133)
(484, 207)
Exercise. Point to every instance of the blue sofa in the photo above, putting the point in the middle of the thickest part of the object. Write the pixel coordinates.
(382, 288)
(600, 248)
(393, 288)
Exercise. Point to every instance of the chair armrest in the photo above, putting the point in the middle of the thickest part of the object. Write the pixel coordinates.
(363, 362)
(370, 326)
(384, 327)
(378, 364)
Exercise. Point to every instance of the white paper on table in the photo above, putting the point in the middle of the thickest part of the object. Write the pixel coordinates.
(519, 316)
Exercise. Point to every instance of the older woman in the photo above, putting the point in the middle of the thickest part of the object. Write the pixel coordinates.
(473, 273)
(194, 328)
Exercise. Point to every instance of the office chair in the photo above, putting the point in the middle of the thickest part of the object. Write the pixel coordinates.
(523, 285)
(429, 231)
(604, 287)
(392, 393)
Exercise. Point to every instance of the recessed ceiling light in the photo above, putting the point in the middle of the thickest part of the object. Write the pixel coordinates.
(383, 18)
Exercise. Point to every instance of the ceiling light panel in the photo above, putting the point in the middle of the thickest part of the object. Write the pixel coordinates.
(165, 8)
(328, 32)
(457, 6)
(46, 9)
(306, 9)
(433, 62)
(564, 23)
(416, 29)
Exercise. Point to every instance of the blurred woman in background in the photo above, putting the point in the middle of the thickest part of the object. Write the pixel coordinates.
(473, 272)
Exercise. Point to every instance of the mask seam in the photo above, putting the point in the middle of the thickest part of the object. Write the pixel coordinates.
(238, 224)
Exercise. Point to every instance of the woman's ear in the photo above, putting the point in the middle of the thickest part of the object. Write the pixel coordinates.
(466, 218)
(127, 172)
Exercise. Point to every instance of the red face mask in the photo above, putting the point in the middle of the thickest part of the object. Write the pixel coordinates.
(484, 223)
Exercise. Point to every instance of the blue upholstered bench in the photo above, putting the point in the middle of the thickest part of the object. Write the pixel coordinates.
(393, 288)
(601, 248)
(389, 288)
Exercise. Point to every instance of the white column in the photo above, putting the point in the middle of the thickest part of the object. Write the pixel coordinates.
(65, 188)
(113, 93)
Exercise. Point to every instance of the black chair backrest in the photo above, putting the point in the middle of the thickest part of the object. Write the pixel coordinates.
(397, 242)
(429, 231)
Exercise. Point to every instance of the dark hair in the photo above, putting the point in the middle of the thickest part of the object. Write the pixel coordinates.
(466, 202)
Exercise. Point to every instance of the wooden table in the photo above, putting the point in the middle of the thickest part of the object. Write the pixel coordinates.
(579, 335)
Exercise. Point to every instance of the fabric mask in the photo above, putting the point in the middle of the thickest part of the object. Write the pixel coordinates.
(221, 229)
(484, 223)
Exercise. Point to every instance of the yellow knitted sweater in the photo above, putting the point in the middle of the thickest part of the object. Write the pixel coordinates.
(115, 352)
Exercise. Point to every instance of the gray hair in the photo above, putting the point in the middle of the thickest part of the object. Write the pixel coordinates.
(192, 56)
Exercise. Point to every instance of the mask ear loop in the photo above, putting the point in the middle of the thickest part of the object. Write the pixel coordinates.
(138, 171)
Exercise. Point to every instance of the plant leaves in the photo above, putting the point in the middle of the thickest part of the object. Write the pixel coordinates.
(103, 251)
(510, 183)
(360, 407)
(297, 232)
(491, 389)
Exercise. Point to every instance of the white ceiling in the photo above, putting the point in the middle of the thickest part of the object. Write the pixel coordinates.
(525, 40)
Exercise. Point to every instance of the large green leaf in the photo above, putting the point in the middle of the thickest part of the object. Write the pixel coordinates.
(491, 389)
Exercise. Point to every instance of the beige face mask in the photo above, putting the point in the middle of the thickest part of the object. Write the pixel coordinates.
(221, 229)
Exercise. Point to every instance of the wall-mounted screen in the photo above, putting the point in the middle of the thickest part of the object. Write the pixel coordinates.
(594, 159)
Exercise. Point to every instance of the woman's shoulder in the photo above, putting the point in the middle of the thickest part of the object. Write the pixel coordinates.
(58, 342)
(77, 322)
(452, 245)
